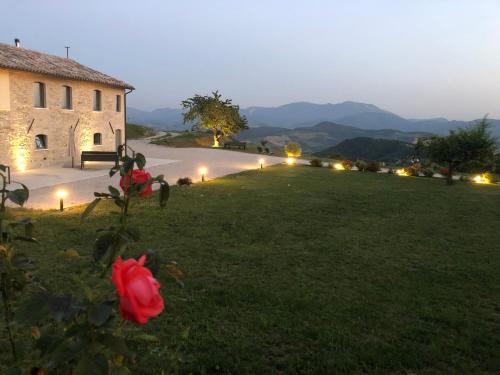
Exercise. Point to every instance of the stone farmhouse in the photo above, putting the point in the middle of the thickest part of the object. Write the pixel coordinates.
(46, 101)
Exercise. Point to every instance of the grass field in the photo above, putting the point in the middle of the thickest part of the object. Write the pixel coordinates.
(307, 270)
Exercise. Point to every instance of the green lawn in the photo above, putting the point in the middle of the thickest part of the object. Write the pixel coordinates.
(307, 270)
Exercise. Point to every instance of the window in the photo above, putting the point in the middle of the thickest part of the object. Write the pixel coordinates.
(67, 98)
(97, 138)
(118, 103)
(41, 142)
(96, 100)
(39, 95)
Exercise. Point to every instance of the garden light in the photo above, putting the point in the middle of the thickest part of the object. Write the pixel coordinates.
(402, 172)
(481, 179)
(261, 162)
(203, 172)
(61, 194)
(339, 167)
(290, 161)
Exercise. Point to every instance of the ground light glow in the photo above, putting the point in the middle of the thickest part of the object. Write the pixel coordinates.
(481, 179)
(261, 162)
(290, 161)
(61, 194)
(339, 167)
(203, 172)
(402, 172)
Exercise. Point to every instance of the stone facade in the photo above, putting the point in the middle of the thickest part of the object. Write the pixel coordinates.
(22, 122)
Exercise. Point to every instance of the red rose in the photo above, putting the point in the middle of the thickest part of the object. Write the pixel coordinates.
(444, 171)
(138, 290)
(139, 176)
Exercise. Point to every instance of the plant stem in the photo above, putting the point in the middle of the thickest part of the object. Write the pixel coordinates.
(8, 314)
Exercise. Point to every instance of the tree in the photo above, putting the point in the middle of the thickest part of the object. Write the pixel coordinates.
(293, 150)
(460, 146)
(220, 116)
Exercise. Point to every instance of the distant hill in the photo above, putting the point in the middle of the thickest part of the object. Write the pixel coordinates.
(304, 114)
(301, 114)
(164, 118)
(322, 135)
(370, 149)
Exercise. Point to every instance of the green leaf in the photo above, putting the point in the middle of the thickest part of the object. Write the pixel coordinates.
(95, 365)
(33, 310)
(127, 165)
(19, 196)
(140, 160)
(99, 314)
(90, 208)
(164, 194)
(115, 343)
(102, 245)
(14, 371)
(114, 191)
(145, 337)
(113, 171)
(134, 233)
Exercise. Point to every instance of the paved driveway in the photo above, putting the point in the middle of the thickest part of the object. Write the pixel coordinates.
(171, 162)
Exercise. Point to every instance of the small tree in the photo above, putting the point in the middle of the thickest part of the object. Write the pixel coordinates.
(293, 150)
(220, 116)
(460, 146)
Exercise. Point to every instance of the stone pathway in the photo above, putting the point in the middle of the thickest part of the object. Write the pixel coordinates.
(173, 163)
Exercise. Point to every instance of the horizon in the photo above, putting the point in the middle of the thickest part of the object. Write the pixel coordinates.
(330, 103)
(419, 61)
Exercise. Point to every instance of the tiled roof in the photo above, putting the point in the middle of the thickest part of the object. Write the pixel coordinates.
(27, 60)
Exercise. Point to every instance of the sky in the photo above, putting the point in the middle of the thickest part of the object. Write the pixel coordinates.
(418, 59)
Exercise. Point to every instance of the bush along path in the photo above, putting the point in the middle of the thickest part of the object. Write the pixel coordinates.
(90, 330)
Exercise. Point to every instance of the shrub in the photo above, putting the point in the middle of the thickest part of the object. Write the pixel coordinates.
(259, 149)
(347, 164)
(316, 163)
(184, 181)
(414, 170)
(361, 165)
(428, 172)
(444, 171)
(373, 166)
(293, 150)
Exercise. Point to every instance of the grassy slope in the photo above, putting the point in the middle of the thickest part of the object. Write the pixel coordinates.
(135, 131)
(307, 270)
(199, 139)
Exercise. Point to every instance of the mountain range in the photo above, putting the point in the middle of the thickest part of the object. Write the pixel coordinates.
(304, 114)
(323, 135)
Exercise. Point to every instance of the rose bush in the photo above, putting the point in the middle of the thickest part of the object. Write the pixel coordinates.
(138, 290)
(137, 176)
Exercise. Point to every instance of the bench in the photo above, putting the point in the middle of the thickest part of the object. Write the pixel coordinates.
(235, 144)
(111, 156)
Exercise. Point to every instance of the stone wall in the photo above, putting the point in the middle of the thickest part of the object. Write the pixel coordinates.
(17, 140)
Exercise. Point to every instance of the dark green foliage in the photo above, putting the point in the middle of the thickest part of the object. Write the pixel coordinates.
(212, 113)
(361, 165)
(387, 150)
(373, 166)
(316, 163)
(184, 181)
(459, 147)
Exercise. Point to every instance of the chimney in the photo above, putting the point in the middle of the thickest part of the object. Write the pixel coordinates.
(17, 42)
